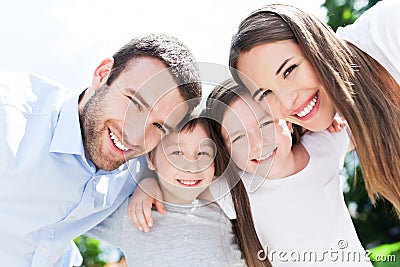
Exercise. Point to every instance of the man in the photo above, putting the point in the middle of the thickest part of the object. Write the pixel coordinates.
(63, 167)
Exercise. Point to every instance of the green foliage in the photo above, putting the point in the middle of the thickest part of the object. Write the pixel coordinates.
(375, 224)
(378, 226)
(90, 251)
(342, 12)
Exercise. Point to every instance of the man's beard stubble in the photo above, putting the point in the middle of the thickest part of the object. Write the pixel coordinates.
(93, 126)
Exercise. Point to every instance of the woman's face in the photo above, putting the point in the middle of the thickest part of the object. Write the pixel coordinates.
(283, 81)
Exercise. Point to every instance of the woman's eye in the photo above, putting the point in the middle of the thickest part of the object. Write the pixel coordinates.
(237, 138)
(289, 70)
(264, 94)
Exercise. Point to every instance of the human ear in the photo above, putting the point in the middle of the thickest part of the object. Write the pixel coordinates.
(149, 157)
(102, 72)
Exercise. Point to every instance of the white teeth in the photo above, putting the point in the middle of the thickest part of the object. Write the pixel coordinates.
(266, 155)
(309, 107)
(188, 182)
(118, 143)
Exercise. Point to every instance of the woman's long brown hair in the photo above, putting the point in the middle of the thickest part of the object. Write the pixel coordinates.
(361, 89)
(221, 97)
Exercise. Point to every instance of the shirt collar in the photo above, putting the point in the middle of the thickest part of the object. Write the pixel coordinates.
(67, 136)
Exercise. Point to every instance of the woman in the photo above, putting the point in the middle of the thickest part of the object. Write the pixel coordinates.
(299, 68)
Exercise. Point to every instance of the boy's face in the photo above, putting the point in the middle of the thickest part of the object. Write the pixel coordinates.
(184, 162)
(258, 143)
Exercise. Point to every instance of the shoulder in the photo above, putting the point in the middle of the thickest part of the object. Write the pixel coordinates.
(376, 32)
(326, 143)
(31, 93)
(384, 13)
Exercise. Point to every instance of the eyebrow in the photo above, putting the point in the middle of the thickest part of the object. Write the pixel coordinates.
(267, 116)
(283, 65)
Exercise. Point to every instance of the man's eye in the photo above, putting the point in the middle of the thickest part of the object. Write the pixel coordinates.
(139, 107)
(160, 127)
(289, 70)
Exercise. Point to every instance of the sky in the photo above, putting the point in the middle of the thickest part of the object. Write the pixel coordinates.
(65, 40)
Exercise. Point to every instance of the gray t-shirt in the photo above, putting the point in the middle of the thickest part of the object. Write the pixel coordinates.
(195, 235)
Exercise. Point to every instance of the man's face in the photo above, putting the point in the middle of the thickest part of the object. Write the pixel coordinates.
(128, 118)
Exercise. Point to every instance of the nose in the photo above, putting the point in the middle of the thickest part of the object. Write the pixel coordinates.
(151, 136)
(284, 101)
(192, 166)
(255, 141)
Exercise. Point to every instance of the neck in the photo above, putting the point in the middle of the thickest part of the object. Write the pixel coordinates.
(296, 161)
(299, 159)
(173, 199)
(170, 198)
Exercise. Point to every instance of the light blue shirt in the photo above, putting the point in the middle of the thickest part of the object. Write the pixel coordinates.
(50, 193)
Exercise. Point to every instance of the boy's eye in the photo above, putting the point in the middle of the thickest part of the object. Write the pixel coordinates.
(289, 70)
(204, 153)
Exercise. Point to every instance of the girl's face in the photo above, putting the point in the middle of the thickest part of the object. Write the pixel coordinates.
(277, 74)
(258, 143)
(184, 164)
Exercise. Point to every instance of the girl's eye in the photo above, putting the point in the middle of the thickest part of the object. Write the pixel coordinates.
(265, 123)
(263, 95)
(289, 70)
(177, 153)
(237, 138)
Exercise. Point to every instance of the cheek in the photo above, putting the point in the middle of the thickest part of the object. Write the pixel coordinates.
(167, 172)
(209, 174)
(240, 156)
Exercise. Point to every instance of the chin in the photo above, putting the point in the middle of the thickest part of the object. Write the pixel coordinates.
(317, 124)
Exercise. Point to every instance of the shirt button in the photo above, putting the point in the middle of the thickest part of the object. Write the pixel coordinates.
(43, 249)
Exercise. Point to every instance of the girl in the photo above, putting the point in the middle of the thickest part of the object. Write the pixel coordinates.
(195, 231)
(297, 65)
(298, 206)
